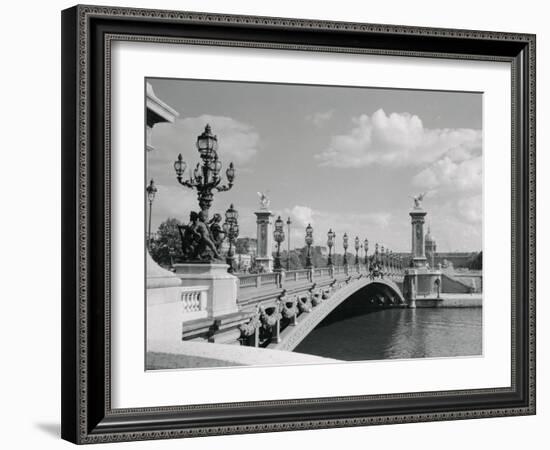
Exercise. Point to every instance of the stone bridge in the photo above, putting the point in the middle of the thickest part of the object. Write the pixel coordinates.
(279, 309)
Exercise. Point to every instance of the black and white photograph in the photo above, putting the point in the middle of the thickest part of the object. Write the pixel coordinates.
(290, 224)
(275, 225)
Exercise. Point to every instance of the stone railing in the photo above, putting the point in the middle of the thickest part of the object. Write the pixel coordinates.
(193, 299)
(297, 275)
(322, 272)
(248, 281)
(274, 280)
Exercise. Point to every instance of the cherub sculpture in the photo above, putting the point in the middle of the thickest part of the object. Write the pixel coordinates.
(216, 230)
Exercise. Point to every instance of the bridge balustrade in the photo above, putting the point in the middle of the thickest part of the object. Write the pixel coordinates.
(280, 279)
(247, 281)
(297, 275)
(268, 279)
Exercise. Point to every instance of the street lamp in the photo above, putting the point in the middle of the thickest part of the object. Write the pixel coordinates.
(331, 235)
(345, 244)
(309, 242)
(382, 258)
(205, 178)
(366, 247)
(288, 223)
(151, 192)
(357, 244)
(231, 229)
(279, 236)
(388, 261)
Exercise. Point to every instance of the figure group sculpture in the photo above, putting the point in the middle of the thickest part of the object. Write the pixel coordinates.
(201, 240)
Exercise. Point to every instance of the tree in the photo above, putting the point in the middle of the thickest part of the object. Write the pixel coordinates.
(165, 245)
(317, 258)
(245, 245)
(477, 262)
(295, 263)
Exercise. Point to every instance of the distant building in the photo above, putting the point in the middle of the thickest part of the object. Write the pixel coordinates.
(430, 248)
(446, 259)
(246, 245)
(244, 262)
(224, 247)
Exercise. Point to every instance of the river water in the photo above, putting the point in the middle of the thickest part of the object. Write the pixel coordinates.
(398, 333)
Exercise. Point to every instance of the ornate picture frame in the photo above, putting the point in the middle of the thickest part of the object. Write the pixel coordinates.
(88, 33)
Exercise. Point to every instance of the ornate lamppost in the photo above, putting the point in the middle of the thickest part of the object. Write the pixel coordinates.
(151, 192)
(366, 247)
(231, 230)
(392, 262)
(388, 261)
(331, 235)
(345, 244)
(357, 244)
(278, 236)
(206, 177)
(309, 242)
(288, 223)
(382, 259)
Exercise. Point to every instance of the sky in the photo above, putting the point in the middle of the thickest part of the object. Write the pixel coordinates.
(346, 158)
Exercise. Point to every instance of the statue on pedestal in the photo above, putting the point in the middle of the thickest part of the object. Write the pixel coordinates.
(197, 242)
(264, 200)
(418, 200)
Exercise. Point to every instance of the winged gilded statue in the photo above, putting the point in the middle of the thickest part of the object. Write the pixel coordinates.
(418, 200)
(264, 200)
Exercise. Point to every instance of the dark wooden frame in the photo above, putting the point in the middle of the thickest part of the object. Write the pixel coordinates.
(87, 32)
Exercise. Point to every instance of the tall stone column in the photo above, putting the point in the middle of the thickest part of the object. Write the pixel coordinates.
(264, 257)
(417, 250)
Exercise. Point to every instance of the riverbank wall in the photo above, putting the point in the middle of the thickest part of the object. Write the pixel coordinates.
(474, 300)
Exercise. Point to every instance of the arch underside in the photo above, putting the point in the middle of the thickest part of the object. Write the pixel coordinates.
(378, 293)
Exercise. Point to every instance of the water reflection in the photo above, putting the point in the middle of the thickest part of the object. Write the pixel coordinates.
(398, 333)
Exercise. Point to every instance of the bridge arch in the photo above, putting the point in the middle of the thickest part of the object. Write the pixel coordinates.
(378, 292)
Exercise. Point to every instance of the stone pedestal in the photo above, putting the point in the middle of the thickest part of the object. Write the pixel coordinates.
(418, 251)
(222, 286)
(264, 257)
(421, 283)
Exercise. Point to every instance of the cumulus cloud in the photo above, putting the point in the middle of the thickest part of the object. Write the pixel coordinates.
(319, 118)
(458, 170)
(237, 141)
(363, 225)
(470, 209)
(302, 215)
(397, 139)
(457, 224)
(173, 201)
